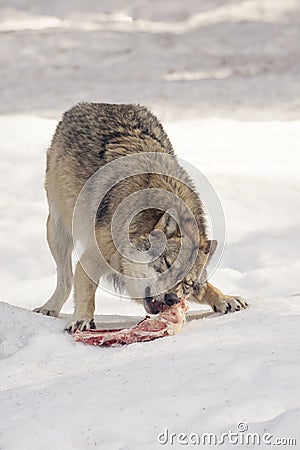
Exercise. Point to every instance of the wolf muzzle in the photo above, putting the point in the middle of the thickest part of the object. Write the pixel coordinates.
(153, 305)
(170, 299)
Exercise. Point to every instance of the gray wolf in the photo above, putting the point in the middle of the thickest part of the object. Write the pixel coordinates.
(163, 253)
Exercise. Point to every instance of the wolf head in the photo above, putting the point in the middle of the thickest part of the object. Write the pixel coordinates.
(179, 270)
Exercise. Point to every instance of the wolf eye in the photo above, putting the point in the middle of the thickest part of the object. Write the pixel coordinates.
(167, 263)
(187, 288)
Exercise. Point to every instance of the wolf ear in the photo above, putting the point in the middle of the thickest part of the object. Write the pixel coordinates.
(167, 225)
(210, 248)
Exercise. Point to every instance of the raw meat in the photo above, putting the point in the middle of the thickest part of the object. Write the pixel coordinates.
(166, 323)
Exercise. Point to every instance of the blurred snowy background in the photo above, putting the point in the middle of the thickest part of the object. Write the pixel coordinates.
(224, 78)
(185, 59)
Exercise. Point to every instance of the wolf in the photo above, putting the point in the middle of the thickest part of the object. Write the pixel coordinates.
(148, 232)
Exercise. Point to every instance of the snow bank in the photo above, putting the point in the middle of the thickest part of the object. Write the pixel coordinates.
(218, 372)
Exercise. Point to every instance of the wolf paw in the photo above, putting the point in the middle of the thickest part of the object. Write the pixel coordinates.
(82, 325)
(229, 303)
(46, 311)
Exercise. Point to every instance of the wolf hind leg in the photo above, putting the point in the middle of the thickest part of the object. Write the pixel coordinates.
(61, 246)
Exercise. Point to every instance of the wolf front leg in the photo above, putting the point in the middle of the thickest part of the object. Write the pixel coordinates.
(88, 271)
(220, 302)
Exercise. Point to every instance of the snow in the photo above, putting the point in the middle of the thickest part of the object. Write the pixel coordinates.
(218, 372)
(224, 78)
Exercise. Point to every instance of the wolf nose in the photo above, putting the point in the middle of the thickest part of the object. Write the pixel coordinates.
(171, 299)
